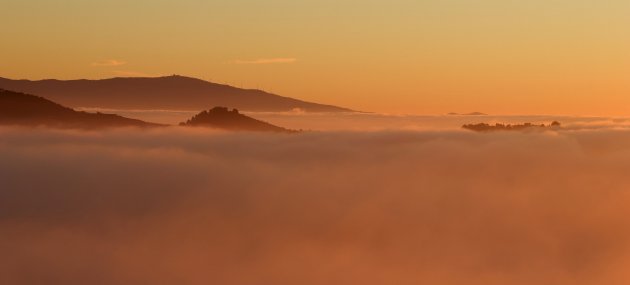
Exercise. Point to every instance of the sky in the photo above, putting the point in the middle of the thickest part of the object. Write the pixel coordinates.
(561, 57)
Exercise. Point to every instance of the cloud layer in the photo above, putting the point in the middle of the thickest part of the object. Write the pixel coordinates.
(266, 61)
(109, 62)
(129, 73)
(177, 206)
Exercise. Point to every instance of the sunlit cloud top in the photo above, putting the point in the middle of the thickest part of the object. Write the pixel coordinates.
(266, 61)
(109, 62)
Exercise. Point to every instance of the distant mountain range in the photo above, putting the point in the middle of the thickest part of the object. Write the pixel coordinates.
(28, 110)
(225, 119)
(164, 93)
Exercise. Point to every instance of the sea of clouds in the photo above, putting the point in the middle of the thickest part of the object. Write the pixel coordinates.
(356, 121)
(181, 206)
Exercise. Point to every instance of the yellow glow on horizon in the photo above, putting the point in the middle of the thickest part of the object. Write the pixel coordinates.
(401, 56)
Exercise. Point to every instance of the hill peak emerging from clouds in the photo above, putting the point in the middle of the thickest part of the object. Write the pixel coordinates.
(166, 93)
(225, 119)
(19, 109)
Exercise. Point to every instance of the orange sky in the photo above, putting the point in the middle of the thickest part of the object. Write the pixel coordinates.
(398, 56)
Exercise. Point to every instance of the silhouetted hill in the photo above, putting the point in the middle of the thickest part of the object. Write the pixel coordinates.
(223, 118)
(166, 93)
(29, 110)
(483, 127)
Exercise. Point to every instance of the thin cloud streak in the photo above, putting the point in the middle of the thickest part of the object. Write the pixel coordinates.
(129, 73)
(109, 62)
(266, 61)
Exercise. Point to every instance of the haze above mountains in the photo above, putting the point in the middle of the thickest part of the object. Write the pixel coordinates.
(161, 93)
(19, 109)
(124, 96)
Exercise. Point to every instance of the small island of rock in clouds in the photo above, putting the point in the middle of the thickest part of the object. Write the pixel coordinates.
(225, 119)
(484, 127)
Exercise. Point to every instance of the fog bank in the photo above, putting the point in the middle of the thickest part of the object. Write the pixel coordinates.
(176, 206)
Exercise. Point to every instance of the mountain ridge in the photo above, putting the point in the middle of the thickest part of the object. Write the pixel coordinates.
(167, 92)
(20, 109)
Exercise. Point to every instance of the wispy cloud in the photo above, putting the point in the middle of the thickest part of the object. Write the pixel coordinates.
(266, 60)
(109, 62)
(129, 73)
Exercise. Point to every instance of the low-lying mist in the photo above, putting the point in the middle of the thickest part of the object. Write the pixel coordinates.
(355, 121)
(177, 206)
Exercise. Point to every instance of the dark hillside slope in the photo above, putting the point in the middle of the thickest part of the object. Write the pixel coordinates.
(224, 119)
(165, 93)
(29, 110)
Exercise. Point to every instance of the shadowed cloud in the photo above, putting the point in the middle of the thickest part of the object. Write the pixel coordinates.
(192, 206)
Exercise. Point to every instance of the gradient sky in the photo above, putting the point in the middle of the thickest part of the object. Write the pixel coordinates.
(400, 56)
